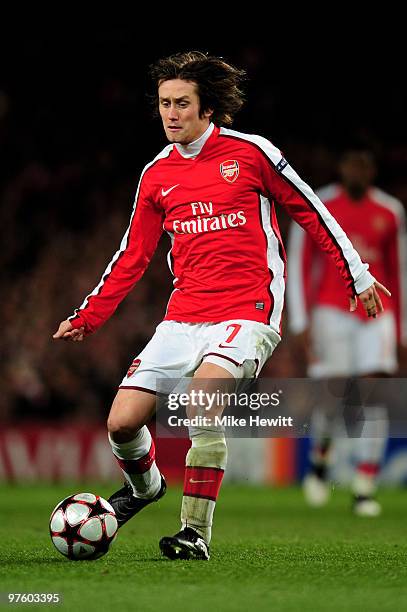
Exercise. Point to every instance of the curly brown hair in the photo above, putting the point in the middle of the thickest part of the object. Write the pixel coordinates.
(218, 83)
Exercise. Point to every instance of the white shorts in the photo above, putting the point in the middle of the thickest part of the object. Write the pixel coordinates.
(344, 345)
(177, 349)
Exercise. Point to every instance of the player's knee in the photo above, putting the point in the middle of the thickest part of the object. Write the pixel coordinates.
(121, 425)
(128, 414)
(119, 430)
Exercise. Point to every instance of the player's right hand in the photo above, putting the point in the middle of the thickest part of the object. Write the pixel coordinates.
(67, 332)
(370, 299)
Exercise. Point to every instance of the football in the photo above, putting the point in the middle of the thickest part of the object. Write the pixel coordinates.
(83, 526)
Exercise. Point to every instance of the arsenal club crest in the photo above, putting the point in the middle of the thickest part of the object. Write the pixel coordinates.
(134, 365)
(229, 170)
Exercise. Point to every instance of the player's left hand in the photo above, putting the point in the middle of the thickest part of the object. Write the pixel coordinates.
(370, 299)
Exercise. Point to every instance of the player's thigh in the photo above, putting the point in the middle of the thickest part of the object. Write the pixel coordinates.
(376, 346)
(131, 409)
(241, 347)
(210, 371)
(234, 354)
(207, 385)
(332, 345)
(168, 355)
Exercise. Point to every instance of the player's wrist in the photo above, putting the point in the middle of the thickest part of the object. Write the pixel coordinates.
(78, 322)
(364, 281)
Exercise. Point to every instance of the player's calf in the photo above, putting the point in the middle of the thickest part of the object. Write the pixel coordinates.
(204, 468)
(205, 465)
(134, 450)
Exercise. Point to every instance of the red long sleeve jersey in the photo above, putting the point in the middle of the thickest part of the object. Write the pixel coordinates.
(226, 253)
(376, 226)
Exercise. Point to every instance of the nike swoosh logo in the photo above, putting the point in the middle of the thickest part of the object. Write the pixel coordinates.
(226, 346)
(167, 191)
(192, 481)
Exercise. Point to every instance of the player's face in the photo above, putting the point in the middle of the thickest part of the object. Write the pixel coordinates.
(357, 172)
(179, 110)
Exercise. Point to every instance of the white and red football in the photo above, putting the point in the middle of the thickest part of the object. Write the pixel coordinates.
(83, 526)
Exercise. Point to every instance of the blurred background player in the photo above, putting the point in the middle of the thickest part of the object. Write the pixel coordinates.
(334, 341)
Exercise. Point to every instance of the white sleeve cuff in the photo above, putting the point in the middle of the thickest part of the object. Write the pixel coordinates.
(364, 281)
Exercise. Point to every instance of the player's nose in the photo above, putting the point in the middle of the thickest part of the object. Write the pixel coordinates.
(172, 113)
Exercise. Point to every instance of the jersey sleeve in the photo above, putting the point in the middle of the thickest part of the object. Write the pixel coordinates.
(300, 256)
(283, 185)
(396, 271)
(127, 265)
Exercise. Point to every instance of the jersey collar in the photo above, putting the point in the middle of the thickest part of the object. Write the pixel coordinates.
(194, 148)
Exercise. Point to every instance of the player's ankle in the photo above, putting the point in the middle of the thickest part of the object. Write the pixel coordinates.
(204, 532)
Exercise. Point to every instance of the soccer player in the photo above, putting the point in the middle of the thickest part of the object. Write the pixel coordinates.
(341, 344)
(213, 190)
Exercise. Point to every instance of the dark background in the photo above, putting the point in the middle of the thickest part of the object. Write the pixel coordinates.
(75, 133)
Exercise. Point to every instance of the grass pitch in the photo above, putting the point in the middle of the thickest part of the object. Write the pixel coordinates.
(269, 552)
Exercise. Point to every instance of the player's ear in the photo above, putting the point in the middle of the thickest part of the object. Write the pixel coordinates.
(208, 113)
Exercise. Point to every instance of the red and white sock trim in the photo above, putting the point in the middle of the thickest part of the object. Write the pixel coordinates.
(203, 482)
(368, 469)
(138, 466)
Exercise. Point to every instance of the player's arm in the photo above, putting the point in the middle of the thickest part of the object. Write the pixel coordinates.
(125, 269)
(301, 258)
(282, 184)
(395, 254)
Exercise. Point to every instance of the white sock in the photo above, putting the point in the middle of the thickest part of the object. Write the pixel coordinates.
(137, 462)
(204, 467)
